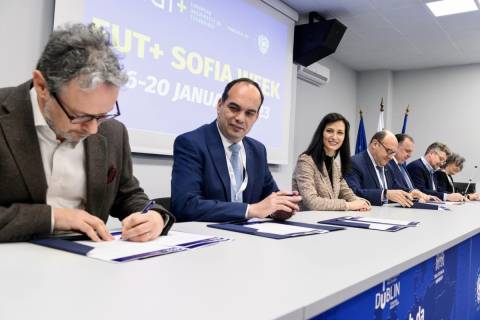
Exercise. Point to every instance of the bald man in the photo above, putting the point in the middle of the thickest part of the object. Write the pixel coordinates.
(370, 178)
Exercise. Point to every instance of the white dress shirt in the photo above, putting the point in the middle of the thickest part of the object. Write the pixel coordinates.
(384, 187)
(63, 164)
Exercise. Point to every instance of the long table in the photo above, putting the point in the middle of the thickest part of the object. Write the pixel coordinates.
(247, 278)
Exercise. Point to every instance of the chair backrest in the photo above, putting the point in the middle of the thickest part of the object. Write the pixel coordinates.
(461, 186)
(164, 202)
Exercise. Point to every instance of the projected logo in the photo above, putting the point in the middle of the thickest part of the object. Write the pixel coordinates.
(263, 44)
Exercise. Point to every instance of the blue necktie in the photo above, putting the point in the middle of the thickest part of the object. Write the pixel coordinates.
(237, 171)
(406, 177)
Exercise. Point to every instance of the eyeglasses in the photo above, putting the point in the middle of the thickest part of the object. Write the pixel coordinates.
(390, 152)
(87, 117)
(441, 158)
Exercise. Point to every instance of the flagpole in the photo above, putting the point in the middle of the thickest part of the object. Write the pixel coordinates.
(405, 119)
(381, 122)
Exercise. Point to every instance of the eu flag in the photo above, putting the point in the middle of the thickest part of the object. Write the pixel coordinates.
(361, 144)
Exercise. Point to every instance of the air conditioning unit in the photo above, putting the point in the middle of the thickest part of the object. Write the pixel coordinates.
(315, 74)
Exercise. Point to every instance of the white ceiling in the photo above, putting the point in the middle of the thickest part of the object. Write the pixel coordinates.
(398, 34)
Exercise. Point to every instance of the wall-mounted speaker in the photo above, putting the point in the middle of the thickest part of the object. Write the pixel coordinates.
(316, 40)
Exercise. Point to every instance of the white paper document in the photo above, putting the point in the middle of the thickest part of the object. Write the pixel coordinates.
(283, 229)
(446, 203)
(119, 250)
(379, 226)
(386, 221)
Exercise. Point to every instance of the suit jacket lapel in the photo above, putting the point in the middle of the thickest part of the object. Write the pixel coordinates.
(389, 177)
(336, 177)
(450, 181)
(215, 147)
(398, 175)
(251, 170)
(20, 133)
(326, 180)
(97, 172)
(427, 174)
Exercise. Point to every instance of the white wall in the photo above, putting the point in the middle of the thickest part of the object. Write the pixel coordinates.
(24, 29)
(445, 107)
(372, 86)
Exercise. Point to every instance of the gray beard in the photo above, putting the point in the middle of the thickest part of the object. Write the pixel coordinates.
(48, 118)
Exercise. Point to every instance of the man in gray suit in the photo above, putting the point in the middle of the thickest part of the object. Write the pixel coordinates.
(65, 164)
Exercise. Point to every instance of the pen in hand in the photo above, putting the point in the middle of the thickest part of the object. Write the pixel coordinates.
(145, 209)
(148, 206)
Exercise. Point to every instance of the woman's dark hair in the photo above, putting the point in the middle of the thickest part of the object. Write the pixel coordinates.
(316, 147)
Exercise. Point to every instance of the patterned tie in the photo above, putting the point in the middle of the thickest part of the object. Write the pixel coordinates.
(237, 171)
(382, 177)
(406, 177)
(433, 181)
(383, 183)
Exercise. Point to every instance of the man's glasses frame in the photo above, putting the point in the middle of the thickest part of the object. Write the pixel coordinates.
(390, 152)
(441, 159)
(87, 117)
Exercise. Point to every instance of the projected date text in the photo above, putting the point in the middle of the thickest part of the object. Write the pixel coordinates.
(179, 91)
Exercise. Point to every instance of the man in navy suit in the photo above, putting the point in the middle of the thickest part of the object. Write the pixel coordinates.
(370, 179)
(422, 170)
(397, 167)
(218, 173)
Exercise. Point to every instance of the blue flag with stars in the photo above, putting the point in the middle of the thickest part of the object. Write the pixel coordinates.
(361, 144)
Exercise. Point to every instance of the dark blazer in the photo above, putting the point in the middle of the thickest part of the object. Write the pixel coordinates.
(200, 180)
(420, 177)
(444, 181)
(111, 187)
(363, 180)
(397, 174)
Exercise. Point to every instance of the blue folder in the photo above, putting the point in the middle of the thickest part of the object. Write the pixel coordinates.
(352, 222)
(421, 205)
(243, 227)
(67, 243)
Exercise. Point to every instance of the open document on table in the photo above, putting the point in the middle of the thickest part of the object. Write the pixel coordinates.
(370, 223)
(274, 229)
(119, 250)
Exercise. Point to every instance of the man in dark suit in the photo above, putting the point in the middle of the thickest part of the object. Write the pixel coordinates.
(422, 171)
(65, 163)
(370, 179)
(218, 173)
(397, 166)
